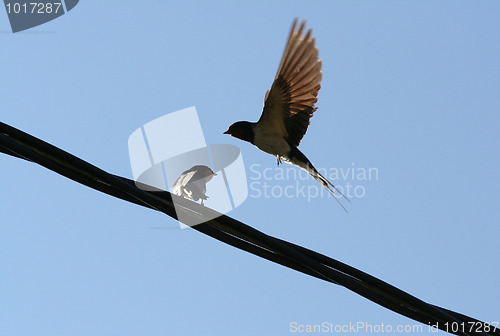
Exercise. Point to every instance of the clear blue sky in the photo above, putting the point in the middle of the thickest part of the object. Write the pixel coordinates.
(409, 88)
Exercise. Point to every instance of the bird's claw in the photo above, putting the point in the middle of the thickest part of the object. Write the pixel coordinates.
(278, 160)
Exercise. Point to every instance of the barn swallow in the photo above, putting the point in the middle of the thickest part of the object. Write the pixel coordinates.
(288, 106)
(192, 184)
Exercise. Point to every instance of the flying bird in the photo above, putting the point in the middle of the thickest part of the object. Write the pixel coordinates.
(288, 106)
(192, 184)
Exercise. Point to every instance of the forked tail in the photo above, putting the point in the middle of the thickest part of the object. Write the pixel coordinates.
(297, 158)
(328, 185)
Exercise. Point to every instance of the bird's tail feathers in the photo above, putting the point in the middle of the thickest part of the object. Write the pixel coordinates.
(334, 191)
(300, 160)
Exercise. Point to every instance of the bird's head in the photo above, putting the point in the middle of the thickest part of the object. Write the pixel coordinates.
(242, 130)
(202, 173)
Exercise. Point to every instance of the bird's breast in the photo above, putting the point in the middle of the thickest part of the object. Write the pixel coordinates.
(271, 143)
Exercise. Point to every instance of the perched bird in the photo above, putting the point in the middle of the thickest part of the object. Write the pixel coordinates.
(192, 184)
(288, 106)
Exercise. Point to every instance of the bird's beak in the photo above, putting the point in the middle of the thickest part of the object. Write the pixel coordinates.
(226, 132)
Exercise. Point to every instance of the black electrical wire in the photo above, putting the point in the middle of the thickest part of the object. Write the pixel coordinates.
(230, 231)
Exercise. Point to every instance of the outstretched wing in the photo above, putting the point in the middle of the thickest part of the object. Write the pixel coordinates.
(290, 103)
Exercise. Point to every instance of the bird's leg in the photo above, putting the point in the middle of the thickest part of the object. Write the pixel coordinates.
(279, 160)
(202, 201)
